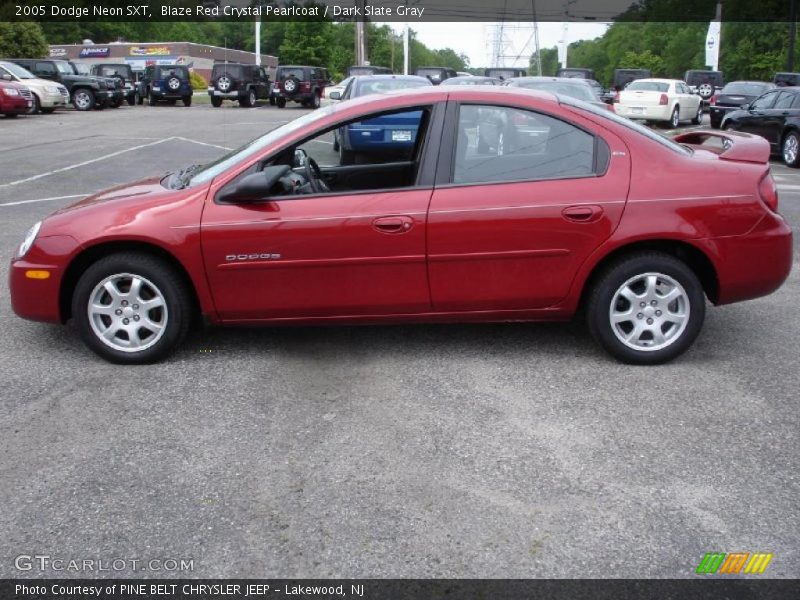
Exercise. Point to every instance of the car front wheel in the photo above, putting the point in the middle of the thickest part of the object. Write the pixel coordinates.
(698, 117)
(790, 149)
(83, 100)
(675, 118)
(646, 309)
(131, 308)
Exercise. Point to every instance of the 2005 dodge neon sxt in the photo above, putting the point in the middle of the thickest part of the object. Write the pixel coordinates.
(508, 205)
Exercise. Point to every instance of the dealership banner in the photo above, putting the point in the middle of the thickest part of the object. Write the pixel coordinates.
(398, 589)
(409, 11)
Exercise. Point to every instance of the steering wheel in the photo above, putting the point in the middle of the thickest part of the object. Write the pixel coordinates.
(314, 176)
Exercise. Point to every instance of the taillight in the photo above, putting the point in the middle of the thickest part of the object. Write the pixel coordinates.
(769, 192)
(712, 101)
(663, 101)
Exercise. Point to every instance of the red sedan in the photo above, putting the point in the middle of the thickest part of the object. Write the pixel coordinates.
(510, 205)
(15, 99)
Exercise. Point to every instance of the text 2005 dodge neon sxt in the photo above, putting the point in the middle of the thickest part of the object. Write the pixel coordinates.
(509, 205)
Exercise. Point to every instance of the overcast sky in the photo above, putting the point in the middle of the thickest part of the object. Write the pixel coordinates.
(474, 39)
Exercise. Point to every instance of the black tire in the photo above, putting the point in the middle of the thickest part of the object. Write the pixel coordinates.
(281, 102)
(791, 141)
(169, 283)
(335, 143)
(131, 100)
(11, 115)
(216, 102)
(272, 100)
(346, 157)
(151, 100)
(315, 101)
(115, 103)
(47, 111)
(187, 101)
(614, 277)
(675, 118)
(36, 106)
(698, 118)
(139, 99)
(251, 98)
(291, 85)
(83, 100)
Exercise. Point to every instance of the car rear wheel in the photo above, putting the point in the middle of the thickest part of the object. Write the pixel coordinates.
(698, 117)
(790, 149)
(216, 102)
(315, 101)
(281, 102)
(187, 100)
(83, 100)
(346, 157)
(646, 309)
(675, 118)
(131, 308)
(47, 111)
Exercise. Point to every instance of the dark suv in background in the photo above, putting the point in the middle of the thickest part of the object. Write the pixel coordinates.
(86, 92)
(622, 77)
(436, 75)
(168, 83)
(115, 86)
(235, 81)
(121, 72)
(301, 84)
(704, 83)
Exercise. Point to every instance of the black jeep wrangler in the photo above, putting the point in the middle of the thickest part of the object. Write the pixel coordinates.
(86, 92)
(117, 96)
(167, 82)
(236, 81)
(121, 72)
(301, 84)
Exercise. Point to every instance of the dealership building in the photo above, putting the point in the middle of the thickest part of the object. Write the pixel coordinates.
(198, 57)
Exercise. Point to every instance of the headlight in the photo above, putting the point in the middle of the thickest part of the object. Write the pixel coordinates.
(10, 92)
(29, 239)
(52, 89)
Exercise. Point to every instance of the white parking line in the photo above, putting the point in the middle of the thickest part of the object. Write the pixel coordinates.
(44, 199)
(322, 142)
(201, 143)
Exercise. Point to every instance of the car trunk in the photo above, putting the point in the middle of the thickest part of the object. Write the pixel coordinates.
(640, 97)
(733, 99)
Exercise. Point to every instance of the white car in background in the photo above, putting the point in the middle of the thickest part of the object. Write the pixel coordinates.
(666, 100)
(326, 99)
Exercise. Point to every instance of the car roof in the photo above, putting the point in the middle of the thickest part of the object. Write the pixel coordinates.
(363, 78)
(543, 78)
(659, 80)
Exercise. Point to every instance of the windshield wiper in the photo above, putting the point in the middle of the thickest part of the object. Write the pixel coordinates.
(180, 178)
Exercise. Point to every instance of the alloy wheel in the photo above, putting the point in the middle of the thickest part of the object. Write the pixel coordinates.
(790, 149)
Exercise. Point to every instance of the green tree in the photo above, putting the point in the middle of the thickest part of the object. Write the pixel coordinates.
(24, 40)
(306, 43)
(643, 60)
(549, 62)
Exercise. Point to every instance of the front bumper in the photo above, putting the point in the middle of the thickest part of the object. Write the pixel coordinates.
(15, 105)
(38, 299)
(47, 100)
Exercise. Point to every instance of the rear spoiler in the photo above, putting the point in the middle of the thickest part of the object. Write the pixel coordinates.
(736, 145)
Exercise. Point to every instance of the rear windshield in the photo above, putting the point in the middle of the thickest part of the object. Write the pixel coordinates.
(503, 74)
(112, 70)
(172, 71)
(383, 86)
(695, 77)
(573, 74)
(235, 70)
(435, 73)
(632, 125)
(648, 86)
(746, 89)
(286, 73)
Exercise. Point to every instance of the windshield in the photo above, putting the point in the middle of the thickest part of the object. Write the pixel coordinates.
(581, 92)
(80, 69)
(286, 73)
(207, 172)
(572, 74)
(362, 71)
(647, 86)
(746, 89)
(383, 86)
(233, 70)
(16, 70)
(435, 73)
(502, 74)
(64, 67)
(165, 72)
(632, 125)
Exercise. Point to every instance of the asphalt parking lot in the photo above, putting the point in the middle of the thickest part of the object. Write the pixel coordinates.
(508, 450)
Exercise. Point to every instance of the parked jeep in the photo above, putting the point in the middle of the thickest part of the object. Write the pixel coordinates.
(86, 92)
(169, 83)
(114, 84)
(436, 75)
(301, 84)
(235, 81)
(622, 77)
(704, 83)
(123, 73)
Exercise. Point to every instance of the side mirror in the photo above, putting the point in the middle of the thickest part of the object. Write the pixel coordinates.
(7, 77)
(252, 188)
(300, 157)
(335, 95)
(745, 106)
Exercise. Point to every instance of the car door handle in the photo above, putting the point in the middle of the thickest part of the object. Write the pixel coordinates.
(584, 213)
(393, 224)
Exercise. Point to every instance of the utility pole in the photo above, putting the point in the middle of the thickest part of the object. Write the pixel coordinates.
(258, 41)
(361, 39)
(405, 50)
(792, 34)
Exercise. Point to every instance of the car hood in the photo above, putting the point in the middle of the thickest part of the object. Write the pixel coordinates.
(140, 191)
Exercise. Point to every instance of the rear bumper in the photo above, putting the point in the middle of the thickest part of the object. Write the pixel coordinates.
(717, 113)
(755, 264)
(235, 95)
(169, 95)
(647, 113)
